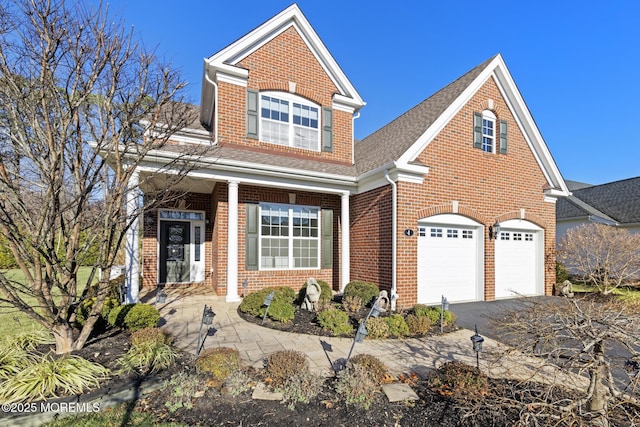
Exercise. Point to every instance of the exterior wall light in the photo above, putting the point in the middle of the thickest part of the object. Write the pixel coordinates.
(494, 230)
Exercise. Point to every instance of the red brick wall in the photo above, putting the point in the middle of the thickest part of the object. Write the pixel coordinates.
(284, 59)
(488, 187)
(371, 227)
(269, 278)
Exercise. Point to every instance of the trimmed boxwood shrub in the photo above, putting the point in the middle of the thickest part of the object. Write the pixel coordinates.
(367, 291)
(281, 309)
(335, 321)
(377, 328)
(134, 316)
(433, 313)
(397, 325)
(85, 307)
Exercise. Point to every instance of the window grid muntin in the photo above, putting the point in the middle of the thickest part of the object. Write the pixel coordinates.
(517, 236)
(436, 232)
(452, 233)
(505, 235)
(299, 129)
(488, 134)
(467, 234)
(300, 227)
(528, 237)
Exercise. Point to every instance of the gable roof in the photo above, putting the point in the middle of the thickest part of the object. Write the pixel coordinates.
(225, 61)
(617, 201)
(401, 141)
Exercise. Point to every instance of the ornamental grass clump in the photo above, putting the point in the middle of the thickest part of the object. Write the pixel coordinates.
(30, 339)
(49, 377)
(151, 351)
(13, 360)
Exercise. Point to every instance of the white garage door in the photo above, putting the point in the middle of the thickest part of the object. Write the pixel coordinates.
(518, 261)
(448, 264)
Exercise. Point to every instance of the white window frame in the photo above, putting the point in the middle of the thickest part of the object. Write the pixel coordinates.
(488, 132)
(290, 100)
(290, 237)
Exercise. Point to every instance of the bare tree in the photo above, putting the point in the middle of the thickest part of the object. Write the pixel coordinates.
(597, 339)
(605, 256)
(81, 106)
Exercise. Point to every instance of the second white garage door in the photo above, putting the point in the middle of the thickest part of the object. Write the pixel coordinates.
(449, 248)
(518, 260)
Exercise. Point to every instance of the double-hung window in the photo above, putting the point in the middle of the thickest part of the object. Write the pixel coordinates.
(289, 236)
(289, 120)
(488, 131)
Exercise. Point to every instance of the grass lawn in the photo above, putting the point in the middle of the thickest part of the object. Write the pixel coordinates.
(12, 321)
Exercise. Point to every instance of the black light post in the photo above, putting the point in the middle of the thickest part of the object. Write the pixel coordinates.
(477, 341)
(444, 305)
(361, 333)
(207, 319)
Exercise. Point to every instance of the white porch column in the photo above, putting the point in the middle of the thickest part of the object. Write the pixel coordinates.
(132, 243)
(345, 264)
(232, 244)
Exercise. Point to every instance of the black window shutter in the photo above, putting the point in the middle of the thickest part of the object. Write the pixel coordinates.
(251, 236)
(327, 129)
(327, 239)
(253, 118)
(477, 130)
(503, 137)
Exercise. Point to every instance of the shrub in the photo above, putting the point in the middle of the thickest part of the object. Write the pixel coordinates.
(142, 316)
(254, 302)
(367, 291)
(397, 325)
(418, 325)
(281, 311)
(561, 272)
(301, 388)
(352, 304)
(433, 313)
(147, 357)
(237, 383)
(117, 315)
(335, 321)
(356, 386)
(326, 293)
(372, 365)
(48, 376)
(151, 335)
(284, 364)
(460, 380)
(219, 362)
(377, 328)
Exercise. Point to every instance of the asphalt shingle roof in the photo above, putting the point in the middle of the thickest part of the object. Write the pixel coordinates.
(618, 201)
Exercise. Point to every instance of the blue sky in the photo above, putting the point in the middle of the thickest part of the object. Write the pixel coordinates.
(576, 63)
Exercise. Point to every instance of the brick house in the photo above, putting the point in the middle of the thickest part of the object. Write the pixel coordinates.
(455, 197)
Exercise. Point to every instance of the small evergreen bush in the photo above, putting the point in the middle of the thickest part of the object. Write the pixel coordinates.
(285, 364)
(356, 386)
(151, 335)
(253, 303)
(459, 380)
(220, 362)
(433, 313)
(281, 311)
(117, 315)
(418, 325)
(397, 325)
(142, 316)
(367, 291)
(85, 307)
(377, 328)
(335, 321)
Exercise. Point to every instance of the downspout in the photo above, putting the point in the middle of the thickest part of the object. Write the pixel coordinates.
(394, 240)
(353, 137)
(214, 105)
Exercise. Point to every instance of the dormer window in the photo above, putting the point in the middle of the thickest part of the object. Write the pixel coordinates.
(289, 120)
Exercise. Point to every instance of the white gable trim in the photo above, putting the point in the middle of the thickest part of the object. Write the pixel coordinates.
(292, 16)
(498, 69)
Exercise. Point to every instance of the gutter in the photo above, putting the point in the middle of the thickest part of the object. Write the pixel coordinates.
(214, 105)
(394, 240)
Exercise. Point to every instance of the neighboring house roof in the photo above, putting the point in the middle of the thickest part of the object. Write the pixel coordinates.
(576, 185)
(618, 202)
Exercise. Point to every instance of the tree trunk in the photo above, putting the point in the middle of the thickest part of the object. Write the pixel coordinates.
(598, 404)
(64, 338)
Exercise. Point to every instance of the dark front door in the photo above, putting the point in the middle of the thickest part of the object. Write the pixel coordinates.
(174, 252)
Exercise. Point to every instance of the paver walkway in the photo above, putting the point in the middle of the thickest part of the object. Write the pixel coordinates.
(182, 314)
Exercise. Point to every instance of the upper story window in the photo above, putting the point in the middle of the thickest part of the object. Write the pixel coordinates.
(489, 134)
(289, 120)
(488, 131)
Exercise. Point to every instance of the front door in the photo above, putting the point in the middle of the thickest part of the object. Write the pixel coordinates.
(175, 259)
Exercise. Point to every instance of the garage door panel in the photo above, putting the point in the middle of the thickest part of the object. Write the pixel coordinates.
(516, 263)
(447, 264)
